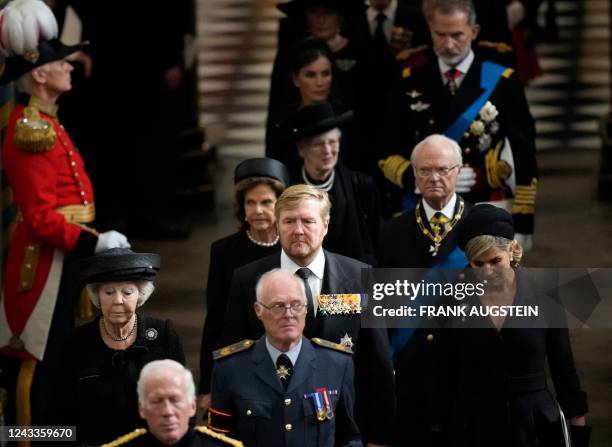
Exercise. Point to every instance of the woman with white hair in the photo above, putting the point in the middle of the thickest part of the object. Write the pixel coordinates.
(104, 357)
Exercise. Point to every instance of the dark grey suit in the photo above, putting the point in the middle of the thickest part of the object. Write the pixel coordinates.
(246, 386)
(374, 383)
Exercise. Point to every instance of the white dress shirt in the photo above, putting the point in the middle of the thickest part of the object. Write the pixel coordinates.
(448, 210)
(317, 269)
(389, 12)
(463, 67)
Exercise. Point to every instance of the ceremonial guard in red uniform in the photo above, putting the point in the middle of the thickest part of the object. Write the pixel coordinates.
(56, 208)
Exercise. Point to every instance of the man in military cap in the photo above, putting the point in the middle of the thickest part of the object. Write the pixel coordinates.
(332, 281)
(476, 102)
(423, 238)
(55, 199)
(166, 400)
(283, 389)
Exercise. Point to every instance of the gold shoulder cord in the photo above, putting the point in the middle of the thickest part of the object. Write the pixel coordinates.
(438, 238)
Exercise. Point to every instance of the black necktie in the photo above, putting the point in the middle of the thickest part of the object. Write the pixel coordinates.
(284, 369)
(304, 273)
(380, 39)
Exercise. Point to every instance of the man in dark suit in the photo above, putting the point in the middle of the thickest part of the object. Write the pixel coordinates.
(302, 215)
(422, 238)
(476, 102)
(284, 389)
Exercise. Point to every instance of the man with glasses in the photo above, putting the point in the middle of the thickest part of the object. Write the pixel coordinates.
(451, 90)
(423, 238)
(284, 389)
(302, 217)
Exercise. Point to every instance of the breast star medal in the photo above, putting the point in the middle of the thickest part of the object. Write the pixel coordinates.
(346, 341)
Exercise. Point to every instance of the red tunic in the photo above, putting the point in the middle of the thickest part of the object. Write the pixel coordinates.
(41, 183)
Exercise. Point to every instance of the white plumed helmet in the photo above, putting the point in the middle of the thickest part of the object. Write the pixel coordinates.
(23, 24)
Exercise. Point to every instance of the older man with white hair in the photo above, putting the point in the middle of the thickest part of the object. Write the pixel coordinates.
(166, 401)
(422, 238)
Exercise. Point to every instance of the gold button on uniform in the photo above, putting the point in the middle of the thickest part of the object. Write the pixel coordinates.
(249, 412)
(287, 402)
(288, 427)
(430, 337)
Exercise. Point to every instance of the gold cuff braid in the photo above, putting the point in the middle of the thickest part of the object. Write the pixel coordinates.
(524, 199)
(393, 168)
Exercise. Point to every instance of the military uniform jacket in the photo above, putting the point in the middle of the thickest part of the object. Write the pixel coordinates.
(54, 196)
(246, 386)
(375, 404)
(195, 437)
(422, 106)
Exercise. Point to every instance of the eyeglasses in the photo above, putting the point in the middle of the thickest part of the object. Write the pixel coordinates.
(295, 307)
(321, 145)
(442, 171)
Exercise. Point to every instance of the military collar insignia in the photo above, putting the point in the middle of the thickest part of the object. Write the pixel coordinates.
(420, 106)
(44, 106)
(339, 304)
(414, 94)
(346, 341)
(151, 333)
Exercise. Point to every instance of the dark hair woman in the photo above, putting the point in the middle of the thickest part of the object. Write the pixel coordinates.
(258, 183)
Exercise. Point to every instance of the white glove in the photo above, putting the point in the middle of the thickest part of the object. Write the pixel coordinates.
(465, 180)
(526, 241)
(111, 239)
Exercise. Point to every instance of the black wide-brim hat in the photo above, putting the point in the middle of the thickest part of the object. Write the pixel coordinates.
(262, 167)
(482, 220)
(342, 7)
(119, 264)
(47, 51)
(317, 119)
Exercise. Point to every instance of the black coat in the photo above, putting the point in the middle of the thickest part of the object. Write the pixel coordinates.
(496, 380)
(422, 106)
(402, 244)
(375, 404)
(99, 383)
(355, 219)
(246, 386)
(226, 255)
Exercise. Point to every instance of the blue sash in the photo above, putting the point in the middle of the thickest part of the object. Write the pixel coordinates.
(490, 75)
(401, 336)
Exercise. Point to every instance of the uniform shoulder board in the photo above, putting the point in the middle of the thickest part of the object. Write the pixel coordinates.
(220, 437)
(331, 345)
(126, 438)
(33, 133)
(500, 47)
(233, 349)
(405, 54)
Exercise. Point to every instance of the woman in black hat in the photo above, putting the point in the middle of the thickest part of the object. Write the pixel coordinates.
(258, 182)
(355, 213)
(495, 373)
(103, 358)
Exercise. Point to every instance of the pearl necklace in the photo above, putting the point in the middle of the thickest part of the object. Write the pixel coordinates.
(119, 338)
(262, 244)
(325, 186)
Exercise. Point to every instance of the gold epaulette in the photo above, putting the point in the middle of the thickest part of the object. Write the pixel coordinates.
(500, 47)
(218, 436)
(508, 72)
(126, 438)
(233, 349)
(405, 54)
(331, 345)
(32, 133)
